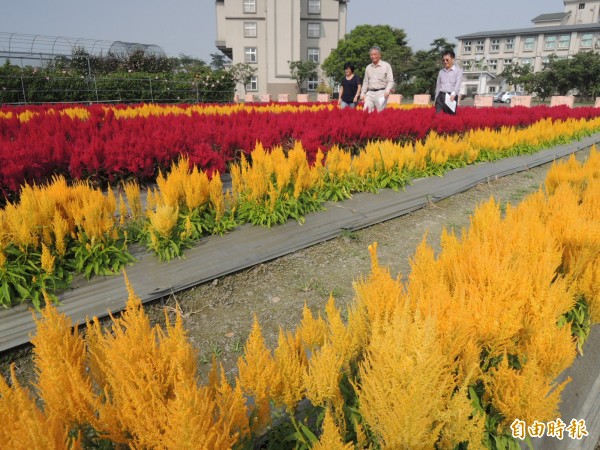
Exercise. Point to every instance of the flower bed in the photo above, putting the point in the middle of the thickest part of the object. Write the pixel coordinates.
(471, 343)
(58, 230)
(110, 144)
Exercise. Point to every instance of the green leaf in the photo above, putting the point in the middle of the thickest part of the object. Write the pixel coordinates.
(309, 434)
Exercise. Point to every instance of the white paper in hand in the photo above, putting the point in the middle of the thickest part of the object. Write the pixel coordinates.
(450, 103)
(381, 101)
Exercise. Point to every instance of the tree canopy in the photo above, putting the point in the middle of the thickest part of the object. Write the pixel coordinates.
(580, 73)
(421, 74)
(300, 71)
(355, 46)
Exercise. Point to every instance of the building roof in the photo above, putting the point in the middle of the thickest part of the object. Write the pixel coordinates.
(533, 31)
(551, 17)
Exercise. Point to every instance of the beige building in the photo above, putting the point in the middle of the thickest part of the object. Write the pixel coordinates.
(269, 33)
(485, 55)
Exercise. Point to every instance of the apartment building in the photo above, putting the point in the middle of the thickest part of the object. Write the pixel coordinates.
(269, 33)
(484, 55)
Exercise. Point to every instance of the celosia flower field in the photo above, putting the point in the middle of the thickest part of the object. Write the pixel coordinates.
(108, 144)
(285, 161)
(471, 341)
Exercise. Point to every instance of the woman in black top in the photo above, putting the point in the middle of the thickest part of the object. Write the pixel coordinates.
(350, 88)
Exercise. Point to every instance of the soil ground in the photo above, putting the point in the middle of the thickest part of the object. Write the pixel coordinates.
(218, 315)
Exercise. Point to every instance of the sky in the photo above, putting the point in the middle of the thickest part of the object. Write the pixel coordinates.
(189, 26)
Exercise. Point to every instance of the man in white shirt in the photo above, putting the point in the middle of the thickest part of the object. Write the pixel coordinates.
(377, 83)
(448, 83)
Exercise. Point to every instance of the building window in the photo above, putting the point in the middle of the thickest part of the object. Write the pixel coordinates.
(550, 42)
(314, 30)
(314, 6)
(253, 85)
(527, 61)
(507, 62)
(467, 46)
(249, 6)
(529, 43)
(495, 45)
(493, 65)
(313, 83)
(564, 41)
(250, 55)
(545, 61)
(582, 6)
(314, 55)
(586, 40)
(479, 45)
(250, 29)
(509, 44)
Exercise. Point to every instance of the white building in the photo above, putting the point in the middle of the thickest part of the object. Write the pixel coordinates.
(270, 33)
(484, 55)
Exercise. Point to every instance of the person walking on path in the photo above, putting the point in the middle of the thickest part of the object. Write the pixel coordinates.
(350, 88)
(448, 84)
(377, 83)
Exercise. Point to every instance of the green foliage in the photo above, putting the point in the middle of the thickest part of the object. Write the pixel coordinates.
(580, 72)
(218, 61)
(495, 438)
(422, 71)
(22, 278)
(33, 85)
(355, 46)
(102, 257)
(579, 318)
(337, 189)
(168, 247)
(268, 212)
(242, 73)
(137, 77)
(300, 71)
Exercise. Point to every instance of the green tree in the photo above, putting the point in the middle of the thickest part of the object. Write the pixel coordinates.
(584, 73)
(242, 73)
(355, 46)
(188, 63)
(544, 83)
(139, 61)
(424, 67)
(218, 61)
(300, 71)
(517, 75)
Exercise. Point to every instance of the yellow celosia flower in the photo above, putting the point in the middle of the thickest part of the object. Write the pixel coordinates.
(61, 229)
(405, 383)
(311, 331)
(291, 361)
(139, 369)
(217, 199)
(525, 394)
(60, 360)
(47, 260)
(164, 219)
(132, 192)
(331, 438)
(322, 379)
(258, 376)
(25, 426)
